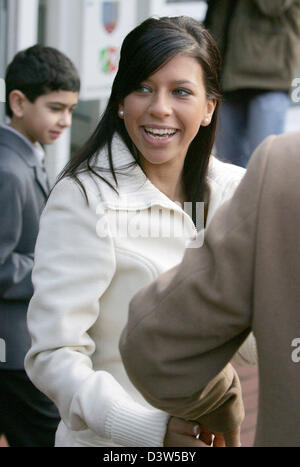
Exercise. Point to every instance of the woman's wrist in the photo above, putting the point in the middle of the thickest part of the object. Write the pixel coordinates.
(131, 424)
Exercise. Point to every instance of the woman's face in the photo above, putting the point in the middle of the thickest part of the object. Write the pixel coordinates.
(163, 115)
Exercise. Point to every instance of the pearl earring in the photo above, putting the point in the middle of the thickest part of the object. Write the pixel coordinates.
(206, 120)
(121, 113)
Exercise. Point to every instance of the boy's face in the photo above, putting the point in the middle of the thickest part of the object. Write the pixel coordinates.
(47, 117)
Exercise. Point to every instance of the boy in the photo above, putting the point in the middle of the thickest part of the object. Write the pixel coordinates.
(42, 87)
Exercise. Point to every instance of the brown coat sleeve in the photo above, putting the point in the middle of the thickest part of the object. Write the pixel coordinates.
(185, 327)
(274, 7)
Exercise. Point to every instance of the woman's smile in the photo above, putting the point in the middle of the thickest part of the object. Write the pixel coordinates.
(159, 136)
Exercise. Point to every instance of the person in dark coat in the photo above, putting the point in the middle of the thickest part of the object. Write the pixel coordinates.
(42, 88)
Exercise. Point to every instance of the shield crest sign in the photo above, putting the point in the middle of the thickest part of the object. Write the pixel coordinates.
(110, 14)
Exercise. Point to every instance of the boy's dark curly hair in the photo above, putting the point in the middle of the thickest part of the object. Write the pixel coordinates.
(39, 70)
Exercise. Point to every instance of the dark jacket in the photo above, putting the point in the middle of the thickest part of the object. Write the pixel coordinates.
(259, 42)
(23, 192)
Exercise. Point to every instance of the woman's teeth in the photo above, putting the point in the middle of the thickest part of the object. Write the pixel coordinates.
(160, 133)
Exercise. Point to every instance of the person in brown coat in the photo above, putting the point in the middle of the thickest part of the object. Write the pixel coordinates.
(185, 326)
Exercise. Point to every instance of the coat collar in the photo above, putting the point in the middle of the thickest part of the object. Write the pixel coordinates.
(135, 190)
(26, 151)
(42, 179)
(19, 145)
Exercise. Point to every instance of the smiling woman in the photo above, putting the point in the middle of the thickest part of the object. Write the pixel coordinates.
(163, 116)
(150, 153)
(146, 50)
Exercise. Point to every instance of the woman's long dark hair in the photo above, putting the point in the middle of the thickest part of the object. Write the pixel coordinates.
(144, 50)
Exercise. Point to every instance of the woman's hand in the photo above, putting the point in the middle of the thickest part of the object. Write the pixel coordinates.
(221, 440)
(186, 434)
(189, 434)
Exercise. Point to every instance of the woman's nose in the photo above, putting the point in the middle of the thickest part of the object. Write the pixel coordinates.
(160, 105)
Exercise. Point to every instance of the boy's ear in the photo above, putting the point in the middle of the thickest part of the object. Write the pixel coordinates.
(17, 102)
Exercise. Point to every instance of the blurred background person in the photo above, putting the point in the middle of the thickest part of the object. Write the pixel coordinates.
(42, 87)
(259, 42)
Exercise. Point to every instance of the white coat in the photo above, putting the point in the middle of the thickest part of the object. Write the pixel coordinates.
(90, 260)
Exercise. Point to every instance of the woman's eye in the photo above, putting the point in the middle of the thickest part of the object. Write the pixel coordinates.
(143, 89)
(182, 92)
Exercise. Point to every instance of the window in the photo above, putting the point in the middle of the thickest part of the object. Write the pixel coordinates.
(181, 1)
(3, 53)
(42, 22)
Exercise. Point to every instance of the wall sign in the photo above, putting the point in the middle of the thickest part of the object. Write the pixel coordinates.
(105, 23)
(194, 8)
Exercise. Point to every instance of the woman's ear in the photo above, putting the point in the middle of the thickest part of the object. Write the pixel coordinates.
(210, 108)
(121, 111)
(17, 103)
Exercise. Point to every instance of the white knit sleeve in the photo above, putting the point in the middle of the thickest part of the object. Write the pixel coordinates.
(73, 268)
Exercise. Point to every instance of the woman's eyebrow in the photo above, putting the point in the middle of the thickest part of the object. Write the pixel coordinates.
(183, 81)
(177, 82)
(186, 82)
